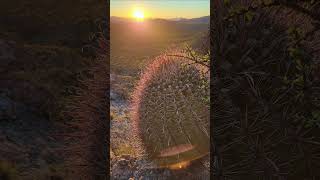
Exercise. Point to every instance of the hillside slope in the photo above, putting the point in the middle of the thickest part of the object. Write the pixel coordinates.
(133, 43)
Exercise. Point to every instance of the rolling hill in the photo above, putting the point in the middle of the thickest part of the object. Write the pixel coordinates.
(133, 43)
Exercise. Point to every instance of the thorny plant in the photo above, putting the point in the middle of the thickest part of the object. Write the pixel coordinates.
(265, 89)
(170, 91)
(196, 58)
(86, 142)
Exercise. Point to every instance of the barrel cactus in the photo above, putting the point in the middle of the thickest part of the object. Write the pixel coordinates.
(171, 111)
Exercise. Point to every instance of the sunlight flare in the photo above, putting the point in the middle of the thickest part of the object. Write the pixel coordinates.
(180, 165)
(138, 14)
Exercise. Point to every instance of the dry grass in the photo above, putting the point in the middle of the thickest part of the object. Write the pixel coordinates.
(86, 151)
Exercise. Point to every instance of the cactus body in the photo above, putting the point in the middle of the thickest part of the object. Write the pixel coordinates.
(171, 112)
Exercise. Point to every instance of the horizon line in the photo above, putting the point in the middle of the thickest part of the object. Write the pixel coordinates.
(127, 17)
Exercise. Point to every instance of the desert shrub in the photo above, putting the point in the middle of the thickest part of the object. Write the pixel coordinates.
(264, 60)
(86, 154)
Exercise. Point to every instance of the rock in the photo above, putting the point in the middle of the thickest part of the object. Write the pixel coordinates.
(113, 96)
(126, 156)
(123, 162)
(121, 171)
(112, 77)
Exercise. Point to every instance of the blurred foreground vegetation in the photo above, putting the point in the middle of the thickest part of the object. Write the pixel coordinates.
(51, 41)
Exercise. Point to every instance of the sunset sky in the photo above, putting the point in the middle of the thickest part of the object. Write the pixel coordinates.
(160, 8)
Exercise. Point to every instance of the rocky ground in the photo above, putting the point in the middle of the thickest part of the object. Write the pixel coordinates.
(27, 149)
(128, 160)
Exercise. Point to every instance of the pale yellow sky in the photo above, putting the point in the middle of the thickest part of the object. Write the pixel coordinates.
(161, 8)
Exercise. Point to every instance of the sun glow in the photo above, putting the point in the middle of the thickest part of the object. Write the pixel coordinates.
(138, 14)
(181, 165)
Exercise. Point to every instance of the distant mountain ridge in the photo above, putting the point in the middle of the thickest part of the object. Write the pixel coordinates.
(199, 20)
(204, 19)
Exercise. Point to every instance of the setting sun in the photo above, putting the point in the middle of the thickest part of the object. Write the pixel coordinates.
(138, 14)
